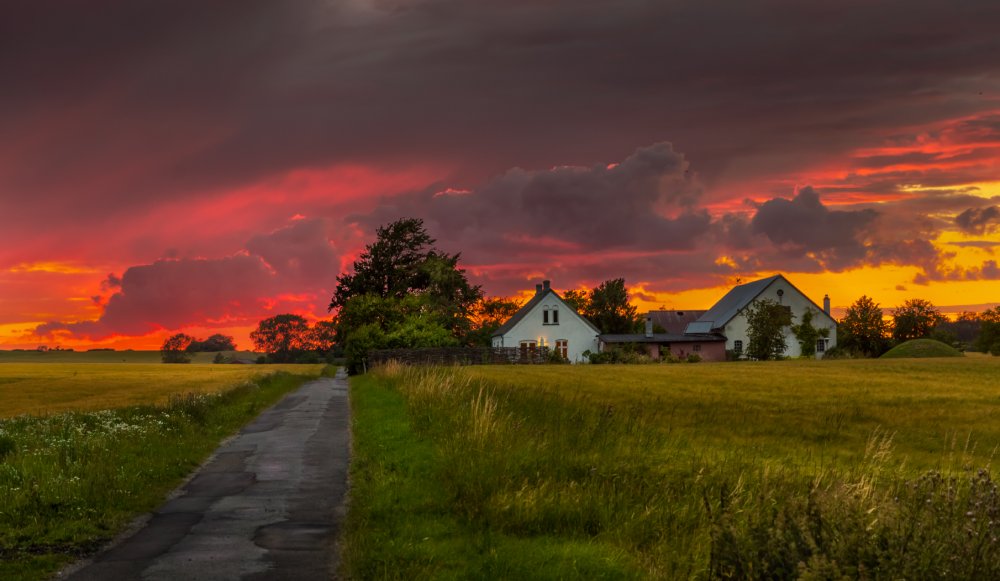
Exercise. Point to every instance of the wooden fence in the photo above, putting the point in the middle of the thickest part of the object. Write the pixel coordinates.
(460, 356)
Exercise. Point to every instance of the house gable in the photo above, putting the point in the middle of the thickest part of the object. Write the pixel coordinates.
(538, 302)
(728, 316)
(738, 298)
(536, 322)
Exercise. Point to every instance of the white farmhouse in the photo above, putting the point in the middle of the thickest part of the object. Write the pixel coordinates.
(728, 316)
(546, 321)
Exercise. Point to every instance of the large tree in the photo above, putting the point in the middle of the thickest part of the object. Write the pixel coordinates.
(863, 328)
(217, 342)
(392, 266)
(766, 322)
(608, 308)
(403, 262)
(323, 336)
(488, 315)
(988, 340)
(965, 327)
(175, 349)
(402, 292)
(578, 300)
(283, 337)
(915, 319)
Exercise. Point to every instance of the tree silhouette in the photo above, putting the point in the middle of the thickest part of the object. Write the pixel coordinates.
(915, 319)
(863, 328)
(174, 349)
(282, 337)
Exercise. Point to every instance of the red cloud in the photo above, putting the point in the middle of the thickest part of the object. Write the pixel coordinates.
(294, 263)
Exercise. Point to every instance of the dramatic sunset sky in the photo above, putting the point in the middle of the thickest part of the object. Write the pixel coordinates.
(197, 166)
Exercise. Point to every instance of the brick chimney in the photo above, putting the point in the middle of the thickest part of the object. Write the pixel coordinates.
(545, 284)
(649, 326)
(538, 289)
(826, 303)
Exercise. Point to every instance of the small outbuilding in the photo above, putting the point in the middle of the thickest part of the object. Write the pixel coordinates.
(707, 346)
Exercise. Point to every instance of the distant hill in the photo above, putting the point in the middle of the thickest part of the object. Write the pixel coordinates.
(922, 348)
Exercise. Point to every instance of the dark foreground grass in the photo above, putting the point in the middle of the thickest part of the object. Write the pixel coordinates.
(72, 481)
(460, 475)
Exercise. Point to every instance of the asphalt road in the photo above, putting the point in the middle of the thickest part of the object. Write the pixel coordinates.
(268, 505)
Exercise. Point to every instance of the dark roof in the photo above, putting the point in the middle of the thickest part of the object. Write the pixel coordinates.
(662, 338)
(675, 321)
(731, 304)
(539, 296)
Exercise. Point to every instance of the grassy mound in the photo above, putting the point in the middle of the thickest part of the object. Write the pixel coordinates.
(922, 348)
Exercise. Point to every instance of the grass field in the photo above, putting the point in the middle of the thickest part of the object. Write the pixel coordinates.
(799, 469)
(106, 356)
(70, 481)
(33, 388)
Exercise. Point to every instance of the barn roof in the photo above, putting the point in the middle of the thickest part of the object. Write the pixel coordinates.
(729, 305)
(675, 321)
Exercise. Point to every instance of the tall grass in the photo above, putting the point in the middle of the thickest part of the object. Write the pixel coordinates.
(541, 464)
(71, 481)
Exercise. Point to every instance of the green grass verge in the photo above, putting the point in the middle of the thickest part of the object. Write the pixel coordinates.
(402, 523)
(818, 470)
(72, 481)
(921, 348)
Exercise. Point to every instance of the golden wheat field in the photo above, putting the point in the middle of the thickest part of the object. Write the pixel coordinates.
(824, 410)
(34, 388)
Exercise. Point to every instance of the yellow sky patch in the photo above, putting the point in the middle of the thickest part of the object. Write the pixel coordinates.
(52, 267)
(982, 189)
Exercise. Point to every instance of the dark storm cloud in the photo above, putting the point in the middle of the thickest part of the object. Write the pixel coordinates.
(298, 254)
(170, 294)
(131, 102)
(988, 270)
(979, 220)
(804, 224)
(645, 202)
(112, 110)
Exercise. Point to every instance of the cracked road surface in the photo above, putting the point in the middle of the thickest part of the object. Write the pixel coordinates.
(268, 505)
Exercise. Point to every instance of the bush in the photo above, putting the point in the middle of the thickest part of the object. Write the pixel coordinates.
(556, 358)
(622, 355)
(693, 358)
(839, 352)
(309, 357)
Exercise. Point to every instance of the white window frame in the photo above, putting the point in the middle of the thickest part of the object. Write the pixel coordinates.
(562, 347)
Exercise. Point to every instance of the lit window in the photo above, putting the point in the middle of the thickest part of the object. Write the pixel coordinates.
(738, 346)
(562, 347)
